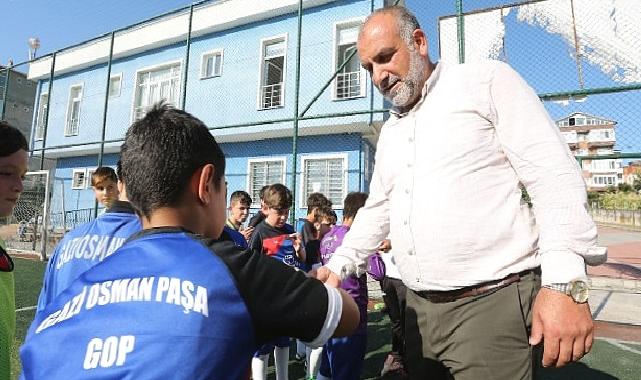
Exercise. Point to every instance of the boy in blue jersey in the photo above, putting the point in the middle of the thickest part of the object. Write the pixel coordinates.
(175, 302)
(275, 238)
(13, 167)
(90, 243)
(342, 358)
(104, 182)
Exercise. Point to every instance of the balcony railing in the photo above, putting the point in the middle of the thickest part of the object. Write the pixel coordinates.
(72, 127)
(348, 85)
(272, 96)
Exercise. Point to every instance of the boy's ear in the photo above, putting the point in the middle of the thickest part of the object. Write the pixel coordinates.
(202, 183)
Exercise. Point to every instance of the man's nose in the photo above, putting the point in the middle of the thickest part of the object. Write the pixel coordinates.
(379, 76)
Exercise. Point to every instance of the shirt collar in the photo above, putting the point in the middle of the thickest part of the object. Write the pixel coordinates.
(427, 88)
(122, 207)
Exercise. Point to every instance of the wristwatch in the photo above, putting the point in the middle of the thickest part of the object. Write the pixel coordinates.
(576, 289)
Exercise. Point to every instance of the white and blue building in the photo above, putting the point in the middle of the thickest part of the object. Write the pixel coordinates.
(240, 74)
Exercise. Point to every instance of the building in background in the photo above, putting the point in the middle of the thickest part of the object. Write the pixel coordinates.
(240, 73)
(18, 107)
(589, 136)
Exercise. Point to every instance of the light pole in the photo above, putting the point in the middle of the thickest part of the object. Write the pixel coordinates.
(34, 44)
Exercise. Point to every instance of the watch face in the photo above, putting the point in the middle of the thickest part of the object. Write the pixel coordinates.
(579, 291)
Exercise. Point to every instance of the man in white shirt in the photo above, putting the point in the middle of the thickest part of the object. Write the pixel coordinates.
(446, 189)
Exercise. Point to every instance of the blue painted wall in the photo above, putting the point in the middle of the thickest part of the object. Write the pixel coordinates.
(231, 98)
(237, 164)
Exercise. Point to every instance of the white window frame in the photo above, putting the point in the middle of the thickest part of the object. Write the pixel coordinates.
(90, 172)
(83, 184)
(203, 66)
(261, 69)
(357, 21)
(119, 76)
(39, 134)
(251, 161)
(303, 182)
(81, 85)
(159, 66)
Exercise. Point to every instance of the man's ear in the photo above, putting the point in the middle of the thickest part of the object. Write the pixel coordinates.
(420, 42)
(203, 180)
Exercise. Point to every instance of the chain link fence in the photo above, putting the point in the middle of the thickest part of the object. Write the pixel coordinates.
(287, 99)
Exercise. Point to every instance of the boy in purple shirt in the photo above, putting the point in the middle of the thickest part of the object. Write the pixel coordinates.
(342, 358)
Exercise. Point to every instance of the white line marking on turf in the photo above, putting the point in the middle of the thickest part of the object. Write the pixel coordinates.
(620, 345)
(26, 308)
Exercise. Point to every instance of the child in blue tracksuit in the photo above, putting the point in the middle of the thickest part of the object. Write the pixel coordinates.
(176, 301)
(87, 245)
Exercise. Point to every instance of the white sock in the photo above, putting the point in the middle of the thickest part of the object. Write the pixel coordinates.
(281, 362)
(300, 348)
(313, 360)
(259, 367)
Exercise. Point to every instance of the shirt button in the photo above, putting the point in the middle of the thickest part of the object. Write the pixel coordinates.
(411, 139)
(409, 164)
(405, 222)
(410, 252)
(407, 191)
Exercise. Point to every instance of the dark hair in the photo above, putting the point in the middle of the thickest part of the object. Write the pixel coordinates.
(119, 170)
(102, 174)
(261, 192)
(241, 197)
(352, 203)
(160, 154)
(278, 196)
(406, 21)
(11, 140)
(315, 200)
(325, 212)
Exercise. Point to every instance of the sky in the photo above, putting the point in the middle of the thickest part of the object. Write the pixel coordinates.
(531, 42)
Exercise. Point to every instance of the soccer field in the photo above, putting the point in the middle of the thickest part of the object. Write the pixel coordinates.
(609, 359)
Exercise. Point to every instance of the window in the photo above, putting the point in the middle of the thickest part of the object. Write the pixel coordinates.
(42, 113)
(325, 175)
(90, 172)
(115, 84)
(602, 180)
(154, 85)
(73, 110)
(211, 64)
(350, 80)
(604, 151)
(272, 73)
(265, 172)
(78, 179)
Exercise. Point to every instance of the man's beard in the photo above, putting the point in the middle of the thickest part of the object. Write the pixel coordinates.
(408, 88)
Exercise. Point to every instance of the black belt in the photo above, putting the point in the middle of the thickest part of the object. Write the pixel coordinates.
(438, 296)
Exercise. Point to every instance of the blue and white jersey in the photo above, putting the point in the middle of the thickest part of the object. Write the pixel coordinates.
(173, 305)
(86, 246)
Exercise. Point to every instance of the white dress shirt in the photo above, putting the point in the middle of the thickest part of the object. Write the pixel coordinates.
(446, 180)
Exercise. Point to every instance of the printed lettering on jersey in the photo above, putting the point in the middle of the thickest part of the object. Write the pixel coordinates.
(182, 293)
(88, 247)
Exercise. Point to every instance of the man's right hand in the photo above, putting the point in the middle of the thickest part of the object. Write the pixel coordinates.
(326, 276)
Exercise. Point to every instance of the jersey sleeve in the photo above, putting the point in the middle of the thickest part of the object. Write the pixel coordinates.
(281, 300)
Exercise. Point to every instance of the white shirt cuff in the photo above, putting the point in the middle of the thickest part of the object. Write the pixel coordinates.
(561, 267)
(334, 313)
(342, 266)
